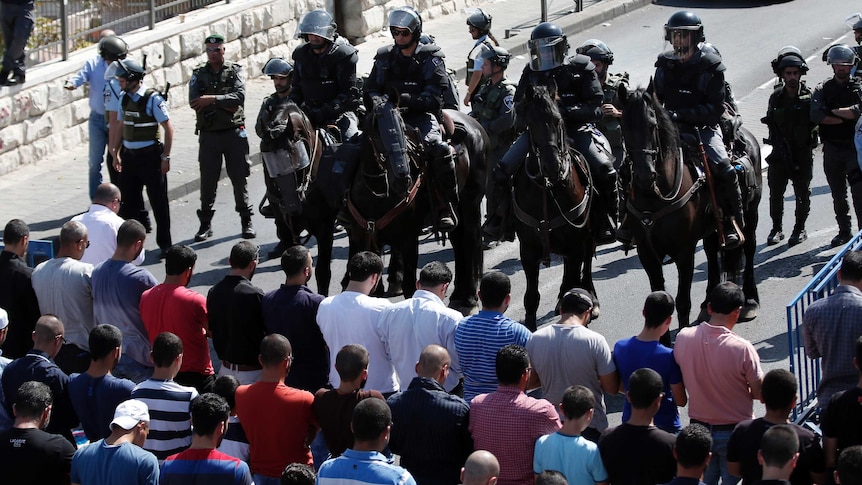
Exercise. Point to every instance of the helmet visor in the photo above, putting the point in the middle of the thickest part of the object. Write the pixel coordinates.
(403, 19)
(547, 53)
(316, 23)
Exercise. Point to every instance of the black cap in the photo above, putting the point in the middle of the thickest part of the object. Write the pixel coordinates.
(214, 39)
(577, 300)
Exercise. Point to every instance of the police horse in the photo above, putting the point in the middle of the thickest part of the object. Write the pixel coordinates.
(387, 211)
(670, 203)
(551, 197)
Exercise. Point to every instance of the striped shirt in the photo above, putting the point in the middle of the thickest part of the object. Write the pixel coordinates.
(170, 418)
(478, 338)
(205, 467)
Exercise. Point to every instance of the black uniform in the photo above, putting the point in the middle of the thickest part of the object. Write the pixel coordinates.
(268, 132)
(494, 107)
(610, 125)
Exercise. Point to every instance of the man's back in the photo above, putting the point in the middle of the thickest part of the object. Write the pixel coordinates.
(124, 464)
(19, 300)
(477, 340)
(36, 366)
(638, 455)
(351, 318)
(842, 419)
(63, 288)
(574, 456)
(102, 225)
(633, 354)
(204, 467)
(369, 467)
(183, 312)
(170, 418)
(32, 456)
(745, 442)
(334, 411)
(95, 399)
(235, 320)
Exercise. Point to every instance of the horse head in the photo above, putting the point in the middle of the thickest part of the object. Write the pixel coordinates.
(540, 113)
(390, 147)
(650, 138)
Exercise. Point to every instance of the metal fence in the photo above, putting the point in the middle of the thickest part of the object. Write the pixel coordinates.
(807, 370)
(63, 26)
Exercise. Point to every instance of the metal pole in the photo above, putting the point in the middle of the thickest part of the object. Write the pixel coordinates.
(64, 31)
(152, 14)
(544, 10)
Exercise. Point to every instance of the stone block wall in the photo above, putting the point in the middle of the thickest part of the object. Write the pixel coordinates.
(41, 118)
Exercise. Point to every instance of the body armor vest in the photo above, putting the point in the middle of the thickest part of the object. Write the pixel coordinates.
(137, 124)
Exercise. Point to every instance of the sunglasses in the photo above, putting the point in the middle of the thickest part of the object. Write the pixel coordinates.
(400, 32)
(214, 49)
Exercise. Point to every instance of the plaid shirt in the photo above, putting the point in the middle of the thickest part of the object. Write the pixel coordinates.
(830, 328)
(507, 423)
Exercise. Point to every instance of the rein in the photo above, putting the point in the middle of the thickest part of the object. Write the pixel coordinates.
(372, 227)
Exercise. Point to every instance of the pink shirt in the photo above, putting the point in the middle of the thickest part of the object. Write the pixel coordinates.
(717, 366)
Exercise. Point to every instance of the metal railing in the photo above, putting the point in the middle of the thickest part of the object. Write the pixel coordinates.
(64, 26)
(807, 370)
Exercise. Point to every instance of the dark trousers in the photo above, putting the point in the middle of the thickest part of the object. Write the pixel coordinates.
(800, 176)
(202, 382)
(143, 168)
(232, 145)
(16, 23)
(841, 169)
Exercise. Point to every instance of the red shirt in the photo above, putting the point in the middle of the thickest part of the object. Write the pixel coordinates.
(183, 312)
(279, 424)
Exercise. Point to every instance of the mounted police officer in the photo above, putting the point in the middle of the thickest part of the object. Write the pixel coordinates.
(580, 98)
(217, 94)
(855, 22)
(690, 84)
(139, 156)
(835, 106)
(793, 136)
(494, 108)
(479, 25)
(324, 76)
(602, 57)
(416, 72)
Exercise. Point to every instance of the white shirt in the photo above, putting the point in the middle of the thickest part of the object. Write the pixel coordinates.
(102, 226)
(351, 318)
(63, 287)
(409, 326)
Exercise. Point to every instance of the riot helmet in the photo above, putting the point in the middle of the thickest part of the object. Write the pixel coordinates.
(498, 57)
(840, 54)
(113, 48)
(854, 21)
(597, 51)
(405, 18)
(548, 47)
(682, 34)
(684, 20)
(278, 68)
(789, 56)
(479, 20)
(129, 69)
(319, 23)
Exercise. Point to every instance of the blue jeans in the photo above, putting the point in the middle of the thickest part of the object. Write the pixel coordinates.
(717, 467)
(319, 451)
(98, 141)
(264, 480)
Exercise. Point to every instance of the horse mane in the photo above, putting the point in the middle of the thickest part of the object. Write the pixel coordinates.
(668, 132)
(547, 107)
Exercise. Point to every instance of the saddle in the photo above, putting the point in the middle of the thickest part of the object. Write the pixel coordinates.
(736, 150)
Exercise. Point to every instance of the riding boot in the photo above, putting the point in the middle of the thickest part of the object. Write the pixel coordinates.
(733, 223)
(493, 229)
(447, 183)
(248, 231)
(206, 230)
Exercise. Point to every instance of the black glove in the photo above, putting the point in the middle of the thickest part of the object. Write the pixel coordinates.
(673, 115)
(404, 100)
(314, 114)
(378, 101)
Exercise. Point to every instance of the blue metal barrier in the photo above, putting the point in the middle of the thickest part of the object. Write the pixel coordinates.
(37, 251)
(807, 370)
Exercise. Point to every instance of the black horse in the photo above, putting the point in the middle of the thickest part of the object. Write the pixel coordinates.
(384, 212)
(670, 204)
(551, 199)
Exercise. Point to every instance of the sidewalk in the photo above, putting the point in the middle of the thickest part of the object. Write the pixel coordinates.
(47, 194)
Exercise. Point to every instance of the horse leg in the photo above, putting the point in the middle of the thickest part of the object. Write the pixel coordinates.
(530, 255)
(395, 274)
(749, 284)
(685, 273)
(585, 266)
(713, 271)
(323, 271)
(410, 260)
(467, 247)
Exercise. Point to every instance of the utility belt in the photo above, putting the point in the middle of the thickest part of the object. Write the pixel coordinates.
(155, 147)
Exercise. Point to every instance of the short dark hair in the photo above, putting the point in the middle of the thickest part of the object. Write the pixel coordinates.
(178, 259)
(493, 288)
(693, 444)
(293, 260)
(434, 274)
(551, 477)
(658, 306)
(577, 401)
(208, 411)
(166, 348)
(778, 445)
(103, 340)
(72, 232)
(274, 348)
(576, 301)
(726, 297)
(298, 474)
(15, 231)
(370, 418)
(32, 399)
(851, 266)
(362, 265)
(130, 232)
(243, 254)
(350, 361)
(225, 386)
(849, 465)
(778, 389)
(645, 386)
(510, 364)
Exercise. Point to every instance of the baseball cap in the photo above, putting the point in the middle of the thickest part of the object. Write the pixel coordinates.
(579, 299)
(214, 39)
(129, 413)
(4, 319)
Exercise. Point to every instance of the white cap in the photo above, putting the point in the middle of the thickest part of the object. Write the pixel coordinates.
(4, 319)
(129, 413)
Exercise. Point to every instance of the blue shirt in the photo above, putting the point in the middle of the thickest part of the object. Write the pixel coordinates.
(204, 467)
(95, 400)
(478, 338)
(125, 464)
(633, 354)
(93, 72)
(355, 467)
(156, 106)
(574, 456)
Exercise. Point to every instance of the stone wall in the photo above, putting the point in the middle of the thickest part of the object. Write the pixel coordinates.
(41, 118)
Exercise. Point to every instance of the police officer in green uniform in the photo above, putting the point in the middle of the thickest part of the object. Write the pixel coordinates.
(609, 124)
(494, 108)
(217, 94)
(792, 135)
(143, 160)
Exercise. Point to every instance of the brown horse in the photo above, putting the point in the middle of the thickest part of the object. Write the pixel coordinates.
(669, 201)
(551, 198)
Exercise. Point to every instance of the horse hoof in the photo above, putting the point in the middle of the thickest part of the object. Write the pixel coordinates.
(703, 316)
(749, 311)
(392, 293)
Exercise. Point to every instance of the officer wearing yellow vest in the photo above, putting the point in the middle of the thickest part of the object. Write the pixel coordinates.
(494, 108)
(139, 156)
(217, 94)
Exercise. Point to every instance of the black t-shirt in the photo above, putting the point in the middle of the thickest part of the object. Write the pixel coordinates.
(32, 456)
(843, 418)
(638, 455)
(745, 441)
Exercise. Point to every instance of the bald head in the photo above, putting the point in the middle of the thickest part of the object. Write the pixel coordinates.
(72, 233)
(481, 468)
(108, 195)
(48, 335)
(106, 33)
(431, 361)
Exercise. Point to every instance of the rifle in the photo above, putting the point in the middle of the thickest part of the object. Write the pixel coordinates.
(719, 220)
